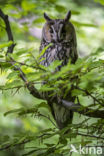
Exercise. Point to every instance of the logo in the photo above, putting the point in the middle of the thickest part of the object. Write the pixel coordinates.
(86, 150)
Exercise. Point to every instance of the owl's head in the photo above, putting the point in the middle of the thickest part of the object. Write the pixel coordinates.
(57, 30)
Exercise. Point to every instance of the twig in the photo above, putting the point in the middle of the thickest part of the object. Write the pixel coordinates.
(89, 94)
(91, 136)
(48, 117)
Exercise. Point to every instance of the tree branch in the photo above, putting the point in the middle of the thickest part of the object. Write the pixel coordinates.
(83, 110)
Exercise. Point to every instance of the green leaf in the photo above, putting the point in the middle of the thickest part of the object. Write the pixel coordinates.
(60, 8)
(22, 51)
(76, 92)
(39, 20)
(1, 55)
(43, 104)
(75, 12)
(46, 88)
(12, 111)
(49, 145)
(98, 51)
(63, 140)
(7, 44)
(80, 24)
(13, 75)
(5, 65)
(54, 65)
(33, 76)
(27, 5)
(100, 1)
(43, 51)
(13, 83)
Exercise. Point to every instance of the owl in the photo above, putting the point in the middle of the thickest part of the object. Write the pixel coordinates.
(62, 36)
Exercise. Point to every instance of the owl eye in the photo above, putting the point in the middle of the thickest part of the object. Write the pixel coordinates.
(63, 31)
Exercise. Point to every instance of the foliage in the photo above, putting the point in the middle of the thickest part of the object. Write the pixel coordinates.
(35, 131)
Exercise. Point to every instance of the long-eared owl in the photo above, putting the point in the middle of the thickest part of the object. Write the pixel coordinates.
(61, 33)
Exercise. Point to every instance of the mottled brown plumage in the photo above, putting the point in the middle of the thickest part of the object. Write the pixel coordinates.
(61, 33)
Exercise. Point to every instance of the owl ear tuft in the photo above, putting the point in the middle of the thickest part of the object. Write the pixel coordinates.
(68, 16)
(47, 18)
